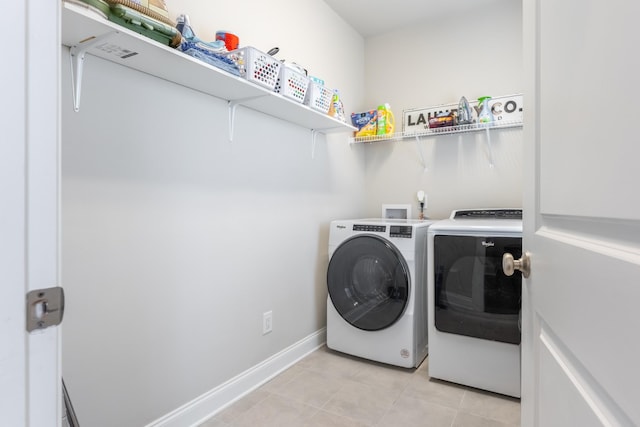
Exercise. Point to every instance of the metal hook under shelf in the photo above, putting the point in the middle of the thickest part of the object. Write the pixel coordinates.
(78, 52)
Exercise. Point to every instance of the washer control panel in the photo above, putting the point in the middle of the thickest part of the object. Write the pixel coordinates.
(370, 228)
(403, 231)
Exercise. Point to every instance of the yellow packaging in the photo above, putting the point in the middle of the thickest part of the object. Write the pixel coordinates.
(368, 130)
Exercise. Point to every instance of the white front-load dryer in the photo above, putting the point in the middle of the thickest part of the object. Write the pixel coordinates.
(377, 290)
(474, 308)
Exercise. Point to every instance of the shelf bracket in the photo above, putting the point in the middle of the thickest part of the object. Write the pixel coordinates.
(424, 164)
(78, 52)
(490, 150)
(232, 112)
(314, 135)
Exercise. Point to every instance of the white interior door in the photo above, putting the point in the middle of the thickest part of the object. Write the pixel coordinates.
(29, 363)
(581, 343)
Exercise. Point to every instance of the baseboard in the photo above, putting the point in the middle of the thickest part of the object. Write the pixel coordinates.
(199, 409)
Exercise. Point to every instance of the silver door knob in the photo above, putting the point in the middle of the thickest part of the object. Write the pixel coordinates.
(510, 265)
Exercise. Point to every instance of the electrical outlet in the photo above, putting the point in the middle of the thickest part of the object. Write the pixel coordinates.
(267, 322)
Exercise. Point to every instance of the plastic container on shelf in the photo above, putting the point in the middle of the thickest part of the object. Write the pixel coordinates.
(292, 84)
(318, 97)
(336, 109)
(385, 120)
(256, 66)
(485, 117)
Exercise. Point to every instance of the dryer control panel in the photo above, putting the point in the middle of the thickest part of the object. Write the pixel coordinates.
(487, 213)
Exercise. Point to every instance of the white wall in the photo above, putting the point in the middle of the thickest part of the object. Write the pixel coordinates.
(175, 241)
(473, 53)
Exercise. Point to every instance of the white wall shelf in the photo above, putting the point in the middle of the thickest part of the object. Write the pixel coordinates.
(449, 130)
(85, 32)
(435, 132)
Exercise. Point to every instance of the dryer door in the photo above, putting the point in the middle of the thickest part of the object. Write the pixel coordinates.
(472, 295)
(368, 282)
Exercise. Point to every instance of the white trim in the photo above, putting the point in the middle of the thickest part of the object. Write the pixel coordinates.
(205, 406)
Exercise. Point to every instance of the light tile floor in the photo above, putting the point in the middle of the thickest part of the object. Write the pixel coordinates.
(328, 388)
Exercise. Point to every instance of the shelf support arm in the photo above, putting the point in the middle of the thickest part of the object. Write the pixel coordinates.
(424, 164)
(78, 52)
(314, 136)
(232, 112)
(490, 150)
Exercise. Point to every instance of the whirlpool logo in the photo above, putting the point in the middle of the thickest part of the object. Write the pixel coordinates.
(488, 244)
(341, 227)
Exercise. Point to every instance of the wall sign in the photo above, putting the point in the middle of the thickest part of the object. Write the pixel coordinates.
(505, 109)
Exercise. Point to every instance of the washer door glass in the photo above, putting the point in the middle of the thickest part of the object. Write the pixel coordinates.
(368, 282)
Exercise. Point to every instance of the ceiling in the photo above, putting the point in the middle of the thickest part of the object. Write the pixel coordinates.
(371, 17)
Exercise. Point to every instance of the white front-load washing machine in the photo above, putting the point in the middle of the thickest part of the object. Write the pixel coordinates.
(474, 308)
(377, 290)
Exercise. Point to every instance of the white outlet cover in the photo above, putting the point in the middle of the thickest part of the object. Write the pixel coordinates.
(267, 322)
